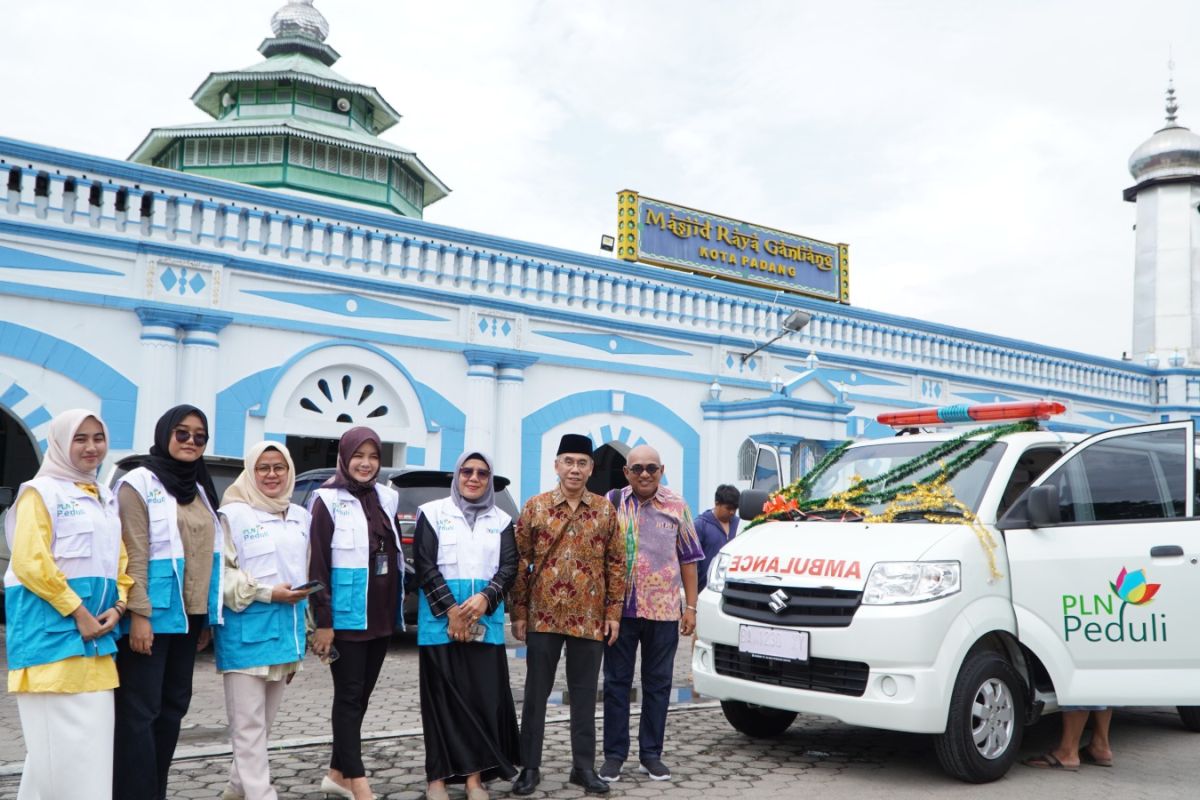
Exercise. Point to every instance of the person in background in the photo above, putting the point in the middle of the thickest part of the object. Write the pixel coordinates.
(356, 555)
(175, 544)
(65, 590)
(661, 553)
(466, 560)
(261, 641)
(1069, 755)
(568, 594)
(717, 526)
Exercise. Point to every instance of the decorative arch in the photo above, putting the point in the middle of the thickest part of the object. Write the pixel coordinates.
(252, 397)
(27, 410)
(619, 405)
(118, 395)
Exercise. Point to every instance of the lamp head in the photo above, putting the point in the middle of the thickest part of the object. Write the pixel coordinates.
(797, 320)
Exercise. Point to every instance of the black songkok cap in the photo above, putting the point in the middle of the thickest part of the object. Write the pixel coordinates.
(575, 443)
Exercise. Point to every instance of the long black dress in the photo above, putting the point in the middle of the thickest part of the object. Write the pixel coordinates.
(467, 711)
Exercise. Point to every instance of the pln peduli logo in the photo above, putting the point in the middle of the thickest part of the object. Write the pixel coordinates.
(1098, 618)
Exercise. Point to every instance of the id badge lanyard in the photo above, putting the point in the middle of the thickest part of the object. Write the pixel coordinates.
(380, 562)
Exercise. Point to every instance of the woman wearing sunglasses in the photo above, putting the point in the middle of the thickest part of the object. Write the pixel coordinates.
(466, 559)
(169, 526)
(65, 591)
(356, 554)
(261, 642)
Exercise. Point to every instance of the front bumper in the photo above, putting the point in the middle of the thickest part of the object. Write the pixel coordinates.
(893, 667)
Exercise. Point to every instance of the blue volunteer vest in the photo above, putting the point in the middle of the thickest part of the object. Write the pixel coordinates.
(86, 545)
(350, 559)
(468, 559)
(164, 572)
(272, 550)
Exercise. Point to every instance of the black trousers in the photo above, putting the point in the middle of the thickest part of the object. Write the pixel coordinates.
(354, 675)
(583, 673)
(154, 694)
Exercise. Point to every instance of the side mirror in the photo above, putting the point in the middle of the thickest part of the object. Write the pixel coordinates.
(7, 495)
(751, 503)
(1044, 510)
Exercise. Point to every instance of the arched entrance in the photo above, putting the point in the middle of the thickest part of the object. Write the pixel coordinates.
(609, 472)
(18, 453)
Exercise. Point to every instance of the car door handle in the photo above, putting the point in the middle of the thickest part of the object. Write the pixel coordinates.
(1165, 550)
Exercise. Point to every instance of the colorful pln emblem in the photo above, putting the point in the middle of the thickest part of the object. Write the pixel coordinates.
(1133, 588)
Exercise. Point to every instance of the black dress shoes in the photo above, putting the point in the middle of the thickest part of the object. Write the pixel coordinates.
(589, 780)
(527, 781)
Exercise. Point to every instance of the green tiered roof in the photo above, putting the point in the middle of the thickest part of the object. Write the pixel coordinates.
(292, 122)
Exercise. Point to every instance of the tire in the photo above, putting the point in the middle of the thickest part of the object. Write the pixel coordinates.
(759, 722)
(1190, 716)
(985, 722)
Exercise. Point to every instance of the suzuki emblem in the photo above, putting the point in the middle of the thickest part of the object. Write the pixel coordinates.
(778, 601)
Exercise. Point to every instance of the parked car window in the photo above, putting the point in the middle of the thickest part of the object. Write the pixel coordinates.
(766, 471)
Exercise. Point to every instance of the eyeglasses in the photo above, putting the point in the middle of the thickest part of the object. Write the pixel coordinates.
(199, 437)
(649, 469)
(572, 463)
(271, 469)
(473, 472)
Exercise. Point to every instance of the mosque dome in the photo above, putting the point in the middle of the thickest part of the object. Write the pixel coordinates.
(1172, 152)
(299, 18)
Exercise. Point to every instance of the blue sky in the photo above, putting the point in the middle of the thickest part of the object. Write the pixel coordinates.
(972, 154)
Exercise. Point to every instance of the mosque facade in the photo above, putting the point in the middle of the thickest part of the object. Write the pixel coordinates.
(271, 266)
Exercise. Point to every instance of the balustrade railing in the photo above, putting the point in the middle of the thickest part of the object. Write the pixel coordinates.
(55, 194)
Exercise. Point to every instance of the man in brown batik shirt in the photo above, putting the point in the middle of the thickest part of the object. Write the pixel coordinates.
(569, 592)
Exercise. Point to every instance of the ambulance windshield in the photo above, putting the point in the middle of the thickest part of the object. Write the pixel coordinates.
(872, 460)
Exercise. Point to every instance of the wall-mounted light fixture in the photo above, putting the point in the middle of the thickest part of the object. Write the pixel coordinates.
(793, 322)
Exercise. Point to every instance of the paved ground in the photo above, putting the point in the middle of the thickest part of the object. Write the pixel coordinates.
(1155, 757)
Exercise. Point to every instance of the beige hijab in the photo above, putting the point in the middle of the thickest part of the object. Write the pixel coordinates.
(57, 463)
(245, 490)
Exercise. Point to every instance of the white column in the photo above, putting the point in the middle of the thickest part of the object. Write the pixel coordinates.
(481, 407)
(158, 380)
(198, 371)
(509, 410)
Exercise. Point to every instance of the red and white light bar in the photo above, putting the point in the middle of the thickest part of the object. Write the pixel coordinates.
(983, 412)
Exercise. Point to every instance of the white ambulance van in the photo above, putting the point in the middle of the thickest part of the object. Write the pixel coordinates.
(1069, 575)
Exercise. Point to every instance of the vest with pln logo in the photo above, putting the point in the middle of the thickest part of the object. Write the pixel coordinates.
(272, 550)
(467, 559)
(350, 557)
(164, 572)
(86, 545)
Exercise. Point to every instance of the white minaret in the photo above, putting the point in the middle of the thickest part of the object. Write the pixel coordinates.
(1166, 287)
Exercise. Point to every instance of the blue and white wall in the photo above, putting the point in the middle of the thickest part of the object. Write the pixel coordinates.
(284, 315)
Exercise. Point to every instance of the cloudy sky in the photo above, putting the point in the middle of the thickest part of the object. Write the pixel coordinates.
(972, 154)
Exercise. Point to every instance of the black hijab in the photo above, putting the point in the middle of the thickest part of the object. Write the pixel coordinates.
(179, 478)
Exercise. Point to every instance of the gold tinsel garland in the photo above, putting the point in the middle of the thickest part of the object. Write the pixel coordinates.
(932, 497)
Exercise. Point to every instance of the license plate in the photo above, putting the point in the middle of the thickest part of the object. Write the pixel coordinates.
(777, 643)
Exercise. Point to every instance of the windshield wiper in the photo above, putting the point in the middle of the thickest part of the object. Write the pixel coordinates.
(913, 513)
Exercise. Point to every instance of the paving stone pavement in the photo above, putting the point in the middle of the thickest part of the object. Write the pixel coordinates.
(1155, 756)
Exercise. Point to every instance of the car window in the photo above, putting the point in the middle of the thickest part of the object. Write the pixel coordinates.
(766, 471)
(1138, 476)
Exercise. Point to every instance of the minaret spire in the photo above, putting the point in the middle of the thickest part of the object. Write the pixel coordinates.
(1172, 103)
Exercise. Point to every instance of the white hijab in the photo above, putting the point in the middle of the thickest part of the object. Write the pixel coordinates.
(57, 463)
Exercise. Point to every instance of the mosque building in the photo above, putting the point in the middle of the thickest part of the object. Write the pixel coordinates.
(271, 266)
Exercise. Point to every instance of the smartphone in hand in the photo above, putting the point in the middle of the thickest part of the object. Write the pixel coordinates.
(309, 588)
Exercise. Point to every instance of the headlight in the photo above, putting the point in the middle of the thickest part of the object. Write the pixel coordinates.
(893, 582)
(716, 572)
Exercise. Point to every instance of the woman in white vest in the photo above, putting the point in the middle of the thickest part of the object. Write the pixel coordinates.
(356, 555)
(65, 591)
(261, 640)
(170, 529)
(466, 560)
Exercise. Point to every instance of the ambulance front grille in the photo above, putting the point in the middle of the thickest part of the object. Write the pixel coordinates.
(817, 674)
(806, 608)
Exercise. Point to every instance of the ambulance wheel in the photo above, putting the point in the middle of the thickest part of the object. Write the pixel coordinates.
(1190, 715)
(757, 721)
(985, 722)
